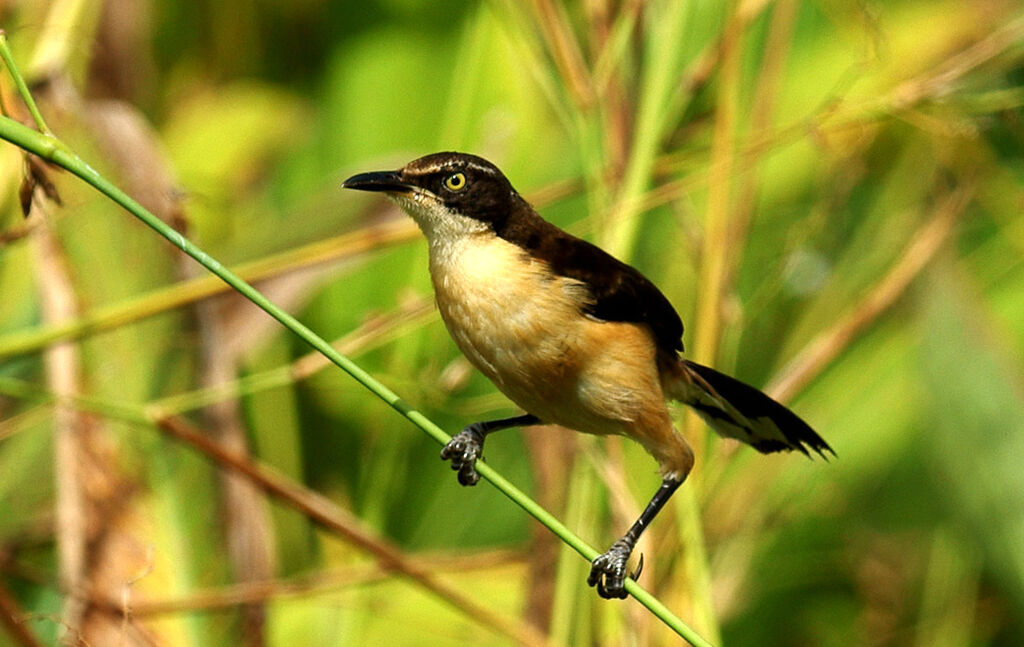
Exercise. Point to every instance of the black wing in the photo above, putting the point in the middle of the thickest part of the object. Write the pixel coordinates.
(620, 292)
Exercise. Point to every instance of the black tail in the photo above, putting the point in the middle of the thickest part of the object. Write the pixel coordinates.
(740, 411)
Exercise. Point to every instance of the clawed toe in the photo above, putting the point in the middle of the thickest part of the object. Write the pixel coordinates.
(462, 451)
(608, 571)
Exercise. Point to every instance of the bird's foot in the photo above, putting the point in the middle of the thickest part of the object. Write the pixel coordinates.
(608, 571)
(462, 451)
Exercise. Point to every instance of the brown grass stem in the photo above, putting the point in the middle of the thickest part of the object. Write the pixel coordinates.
(231, 596)
(828, 345)
(322, 511)
(13, 618)
(565, 51)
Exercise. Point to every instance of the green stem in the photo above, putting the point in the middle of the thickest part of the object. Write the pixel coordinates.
(143, 416)
(19, 81)
(52, 150)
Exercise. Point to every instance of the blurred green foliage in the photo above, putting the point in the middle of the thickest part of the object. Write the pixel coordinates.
(849, 129)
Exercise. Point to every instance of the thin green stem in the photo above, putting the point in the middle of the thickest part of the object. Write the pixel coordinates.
(19, 82)
(51, 149)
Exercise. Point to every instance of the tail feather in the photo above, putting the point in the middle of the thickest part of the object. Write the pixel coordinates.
(740, 411)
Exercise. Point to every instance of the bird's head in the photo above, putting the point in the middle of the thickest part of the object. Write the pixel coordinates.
(445, 193)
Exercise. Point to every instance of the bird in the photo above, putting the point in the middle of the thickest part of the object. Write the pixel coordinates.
(570, 334)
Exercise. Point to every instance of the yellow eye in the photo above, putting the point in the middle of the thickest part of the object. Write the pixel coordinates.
(455, 182)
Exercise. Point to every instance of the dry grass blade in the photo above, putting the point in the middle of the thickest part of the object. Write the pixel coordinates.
(780, 34)
(373, 333)
(322, 511)
(180, 294)
(97, 533)
(719, 212)
(364, 337)
(12, 617)
(704, 64)
(17, 232)
(24, 420)
(941, 80)
(829, 345)
(243, 593)
(565, 51)
(63, 371)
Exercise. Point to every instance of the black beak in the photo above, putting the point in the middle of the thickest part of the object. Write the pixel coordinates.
(386, 181)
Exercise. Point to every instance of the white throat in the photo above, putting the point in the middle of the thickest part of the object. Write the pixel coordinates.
(444, 229)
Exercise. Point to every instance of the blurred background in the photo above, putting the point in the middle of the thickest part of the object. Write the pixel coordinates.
(830, 193)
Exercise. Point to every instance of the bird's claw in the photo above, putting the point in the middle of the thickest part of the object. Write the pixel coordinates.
(608, 571)
(462, 451)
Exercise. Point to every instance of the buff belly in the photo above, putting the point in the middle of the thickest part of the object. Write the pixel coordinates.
(524, 329)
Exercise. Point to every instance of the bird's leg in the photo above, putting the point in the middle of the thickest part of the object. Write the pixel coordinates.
(468, 445)
(608, 571)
